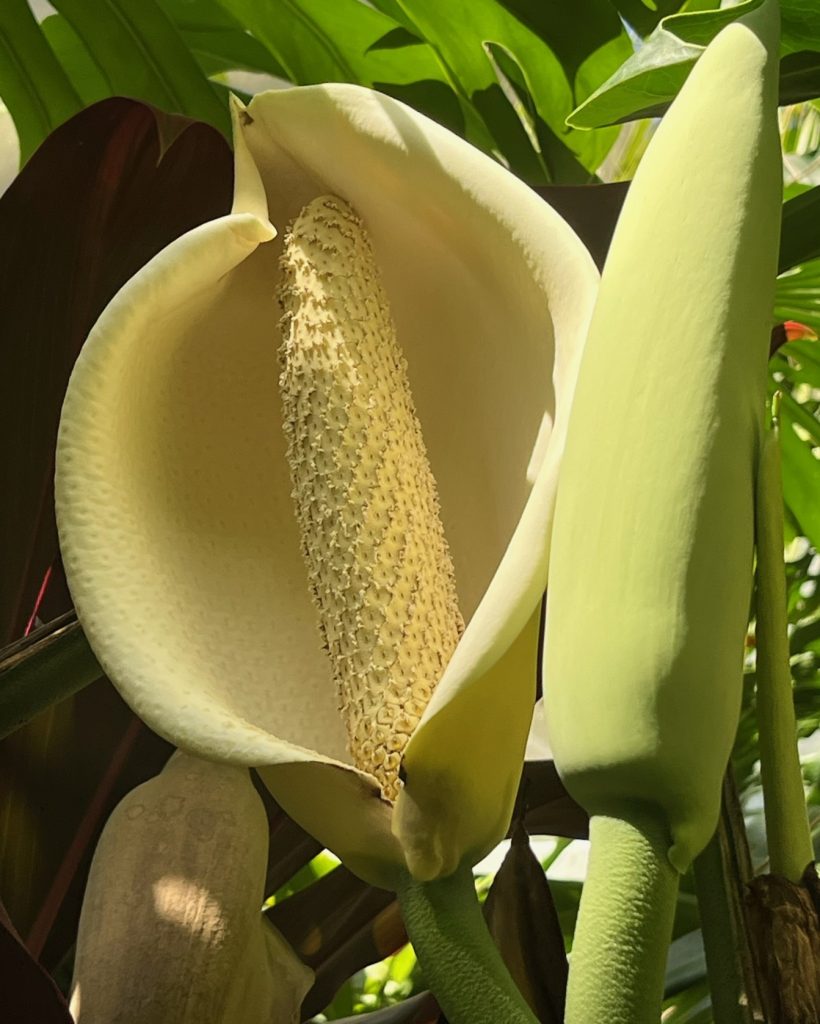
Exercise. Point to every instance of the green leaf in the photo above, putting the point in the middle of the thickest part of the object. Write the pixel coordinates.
(218, 52)
(140, 54)
(801, 481)
(648, 81)
(420, 1008)
(312, 45)
(800, 24)
(49, 665)
(800, 362)
(800, 231)
(686, 964)
(218, 40)
(800, 19)
(797, 295)
(561, 53)
(643, 87)
(701, 26)
(799, 77)
(799, 414)
(692, 1006)
(33, 85)
(644, 15)
(555, 160)
(79, 65)
(314, 41)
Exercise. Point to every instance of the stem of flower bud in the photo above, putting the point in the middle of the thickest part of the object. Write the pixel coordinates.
(460, 961)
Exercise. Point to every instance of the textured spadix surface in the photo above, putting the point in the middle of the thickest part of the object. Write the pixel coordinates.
(171, 928)
(174, 495)
(366, 501)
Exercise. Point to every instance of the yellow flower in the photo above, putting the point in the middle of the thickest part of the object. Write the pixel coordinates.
(179, 532)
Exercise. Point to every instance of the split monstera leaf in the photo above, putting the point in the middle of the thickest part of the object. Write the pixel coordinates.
(208, 589)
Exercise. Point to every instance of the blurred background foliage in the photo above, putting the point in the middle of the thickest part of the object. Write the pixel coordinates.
(566, 96)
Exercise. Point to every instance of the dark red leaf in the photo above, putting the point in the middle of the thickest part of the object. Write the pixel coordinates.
(29, 994)
(290, 849)
(592, 210)
(104, 193)
(338, 925)
(523, 922)
(60, 778)
(549, 809)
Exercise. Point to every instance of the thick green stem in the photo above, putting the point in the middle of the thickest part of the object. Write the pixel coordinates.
(721, 873)
(624, 925)
(460, 962)
(787, 826)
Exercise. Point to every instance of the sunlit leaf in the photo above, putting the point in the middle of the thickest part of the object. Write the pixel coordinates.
(141, 55)
(649, 80)
(72, 53)
(33, 84)
(562, 54)
(50, 664)
(692, 1006)
(801, 486)
(314, 41)
(644, 15)
(218, 40)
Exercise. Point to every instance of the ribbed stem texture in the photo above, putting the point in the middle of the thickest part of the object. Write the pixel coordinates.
(787, 825)
(624, 924)
(460, 961)
(722, 871)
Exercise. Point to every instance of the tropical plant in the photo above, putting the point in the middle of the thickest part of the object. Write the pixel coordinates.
(423, 214)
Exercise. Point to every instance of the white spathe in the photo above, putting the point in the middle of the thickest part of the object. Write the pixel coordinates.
(173, 491)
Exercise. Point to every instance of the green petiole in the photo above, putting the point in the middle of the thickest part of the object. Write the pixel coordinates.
(460, 961)
(618, 957)
(787, 826)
